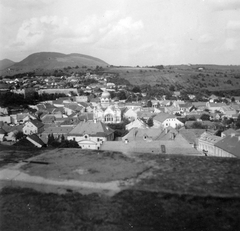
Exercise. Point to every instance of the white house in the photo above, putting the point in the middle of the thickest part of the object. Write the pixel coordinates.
(91, 134)
(33, 127)
(166, 120)
(138, 123)
(131, 114)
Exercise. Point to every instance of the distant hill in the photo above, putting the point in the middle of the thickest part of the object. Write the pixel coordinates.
(198, 76)
(5, 63)
(53, 60)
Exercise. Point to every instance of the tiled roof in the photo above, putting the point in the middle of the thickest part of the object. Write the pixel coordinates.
(191, 135)
(209, 138)
(149, 133)
(8, 128)
(35, 138)
(161, 117)
(37, 123)
(217, 104)
(2, 131)
(57, 130)
(230, 144)
(199, 104)
(91, 128)
(229, 132)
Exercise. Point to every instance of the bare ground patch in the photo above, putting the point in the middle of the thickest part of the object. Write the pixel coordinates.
(84, 165)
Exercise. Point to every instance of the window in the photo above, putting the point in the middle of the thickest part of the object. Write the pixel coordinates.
(108, 118)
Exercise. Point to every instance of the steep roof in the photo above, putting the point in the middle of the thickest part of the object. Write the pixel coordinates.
(149, 133)
(199, 104)
(138, 123)
(217, 104)
(229, 132)
(35, 138)
(191, 135)
(91, 128)
(161, 117)
(58, 130)
(73, 106)
(37, 123)
(2, 131)
(209, 138)
(230, 144)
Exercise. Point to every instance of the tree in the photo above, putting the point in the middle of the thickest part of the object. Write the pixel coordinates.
(19, 135)
(150, 122)
(238, 122)
(205, 117)
(121, 95)
(171, 88)
(136, 89)
(149, 103)
(50, 139)
(198, 125)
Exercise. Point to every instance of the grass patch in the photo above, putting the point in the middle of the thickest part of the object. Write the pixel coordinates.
(25, 209)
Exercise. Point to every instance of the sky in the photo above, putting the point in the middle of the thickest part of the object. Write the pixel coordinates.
(124, 32)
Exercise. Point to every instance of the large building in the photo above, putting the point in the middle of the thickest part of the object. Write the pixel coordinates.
(106, 111)
(91, 134)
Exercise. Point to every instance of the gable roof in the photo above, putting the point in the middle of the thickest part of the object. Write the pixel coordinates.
(199, 104)
(8, 128)
(161, 117)
(73, 106)
(191, 135)
(149, 133)
(37, 123)
(2, 131)
(57, 130)
(35, 138)
(91, 128)
(229, 132)
(209, 138)
(185, 105)
(138, 123)
(230, 144)
(217, 105)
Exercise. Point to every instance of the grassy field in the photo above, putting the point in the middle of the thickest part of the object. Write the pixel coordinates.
(181, 193)
(12, 154)
(212, 77)
(25, 209)
(85, 165)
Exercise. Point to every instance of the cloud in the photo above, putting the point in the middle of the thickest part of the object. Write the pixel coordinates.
(205, 38)
(36, 4)
(48, 32)
(121, 33)
(233, 25)
(222, 5)
(231, 44)
(36, 31)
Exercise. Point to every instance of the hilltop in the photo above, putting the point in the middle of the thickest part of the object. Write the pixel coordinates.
(210, 77)
(5, 63)
(43, 61)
